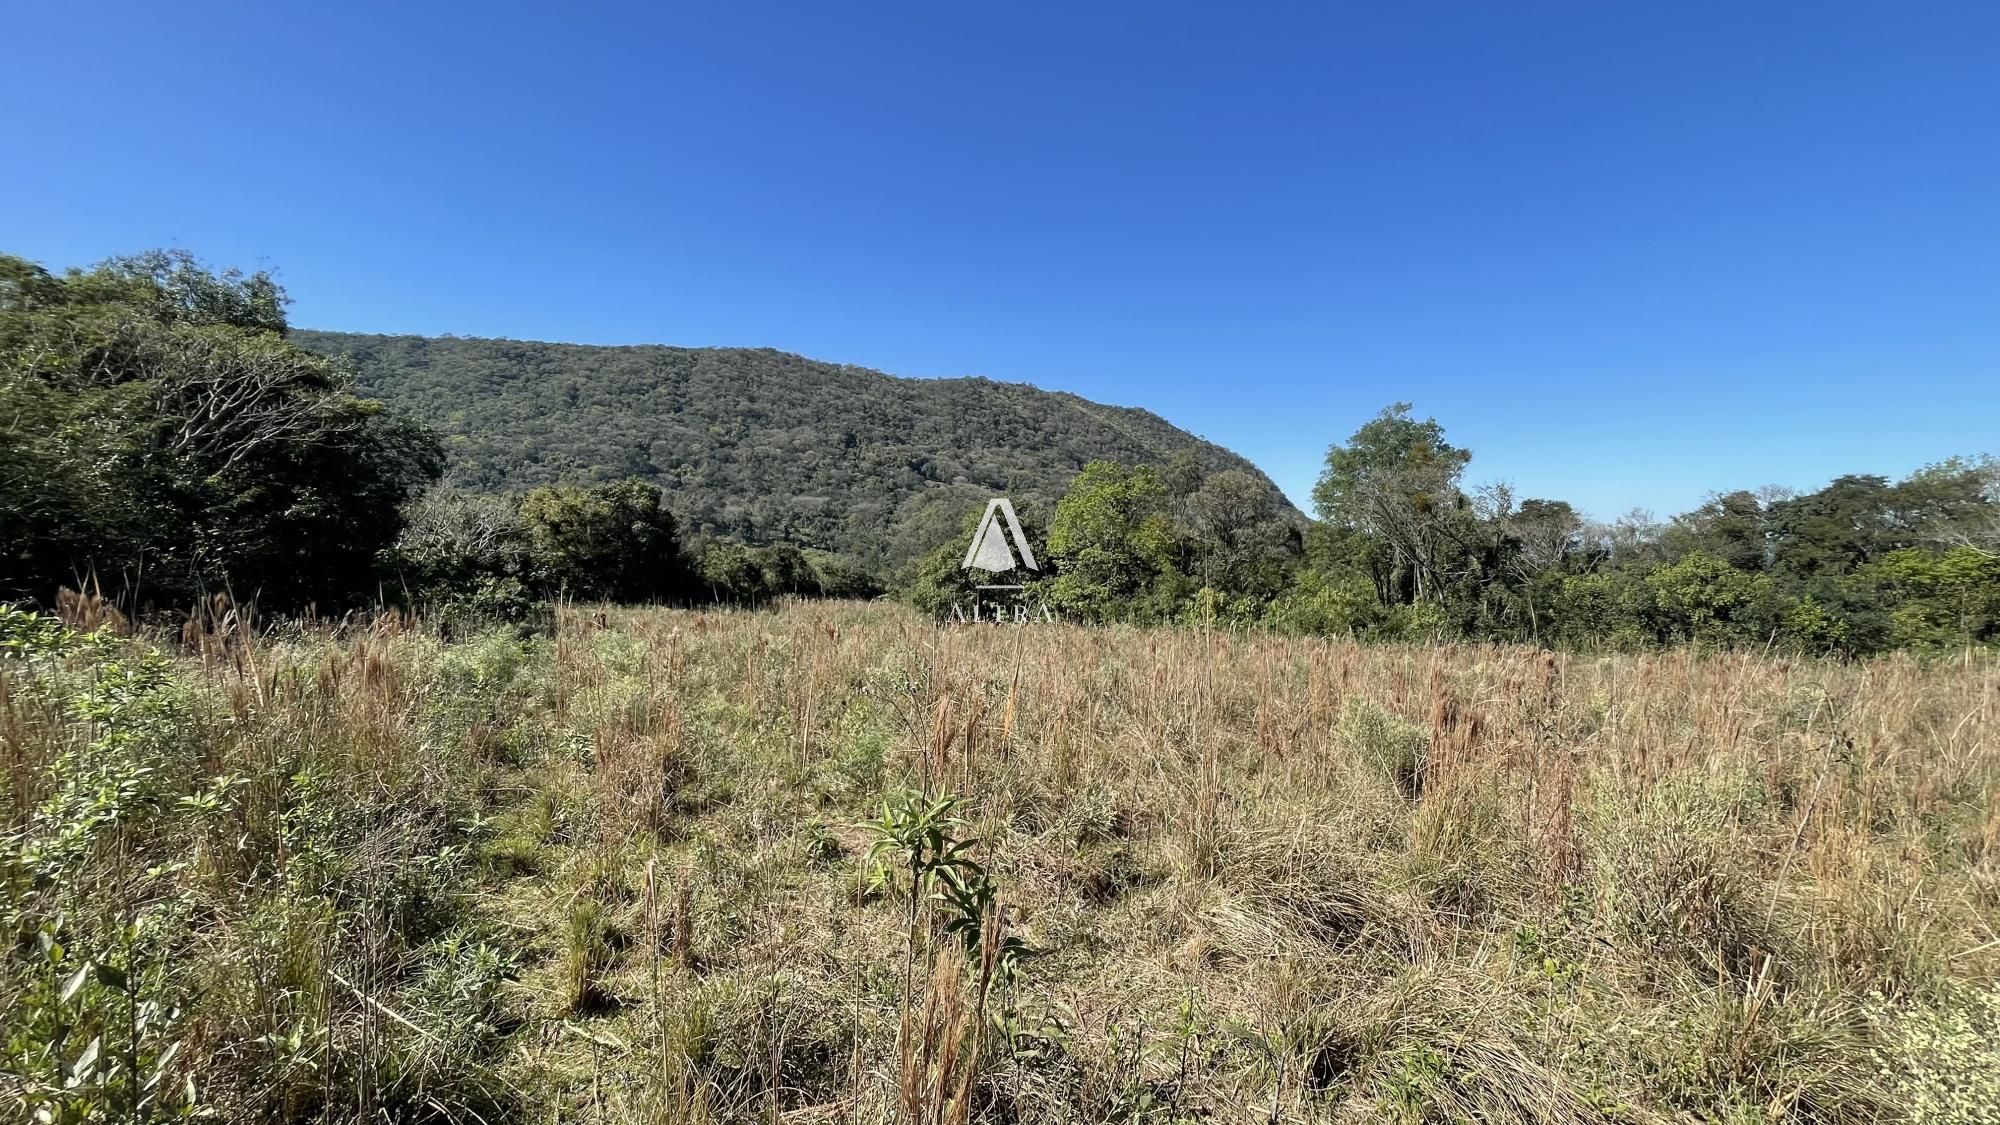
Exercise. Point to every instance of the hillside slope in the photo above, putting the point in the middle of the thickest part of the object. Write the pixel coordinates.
(756, 443)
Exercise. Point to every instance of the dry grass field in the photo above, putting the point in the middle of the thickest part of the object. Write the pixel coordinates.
(833, 863)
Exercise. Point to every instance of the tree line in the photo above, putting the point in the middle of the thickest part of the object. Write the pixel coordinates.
(502, 556)
(1403, 549)
(164, 439)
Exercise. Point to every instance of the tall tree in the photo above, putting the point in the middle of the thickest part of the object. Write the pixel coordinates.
(1957, 503)
(1398, 479)
(1632, 538)
(1729, 526)
(1545, 534)
(1541, 537)
(165, 438)
(1112, 542)
(1835, 530)
(1243, 542)
(611, 541)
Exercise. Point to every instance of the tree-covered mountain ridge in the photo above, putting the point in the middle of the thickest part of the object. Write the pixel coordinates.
(760, 444)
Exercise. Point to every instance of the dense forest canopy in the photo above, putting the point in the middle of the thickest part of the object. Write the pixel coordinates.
(755, 444)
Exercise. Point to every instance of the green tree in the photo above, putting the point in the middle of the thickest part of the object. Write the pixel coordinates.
(940, 582)
(1835, 530)
(838, 577)
(1613, 607)
(1540, 539)
(787, 571)
(1939, 599)
(1243, 544)
(613, 541)
(1733, 527)
(1113, 545)
(163, 435)
(1326, 604)
(463, 553)
(726, 571)
(1703, 598)
(1397, 480)
(1956, 503)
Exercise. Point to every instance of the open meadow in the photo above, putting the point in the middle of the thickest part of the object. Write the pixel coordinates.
(832, 862)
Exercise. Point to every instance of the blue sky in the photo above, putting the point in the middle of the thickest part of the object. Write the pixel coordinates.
(1627, 253)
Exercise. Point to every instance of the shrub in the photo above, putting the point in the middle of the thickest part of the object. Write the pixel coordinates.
(612, 542)
(1393, 749)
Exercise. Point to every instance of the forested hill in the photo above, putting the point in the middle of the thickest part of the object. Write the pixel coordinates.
(755, 443)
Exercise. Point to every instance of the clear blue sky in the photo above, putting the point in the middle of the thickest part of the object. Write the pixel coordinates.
(1627, 253)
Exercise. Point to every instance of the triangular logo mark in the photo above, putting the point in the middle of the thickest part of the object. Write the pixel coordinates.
(990, 550)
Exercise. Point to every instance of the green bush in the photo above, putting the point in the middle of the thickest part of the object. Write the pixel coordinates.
(1393, 749)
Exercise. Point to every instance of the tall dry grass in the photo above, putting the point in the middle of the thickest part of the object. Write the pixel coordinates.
(618, 873)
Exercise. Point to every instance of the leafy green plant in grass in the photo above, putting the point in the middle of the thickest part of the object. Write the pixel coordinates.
(455, 999)
(1410, 1085)
(92, 1040)
(92, 1030)
(934, 855)
(924, 833)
